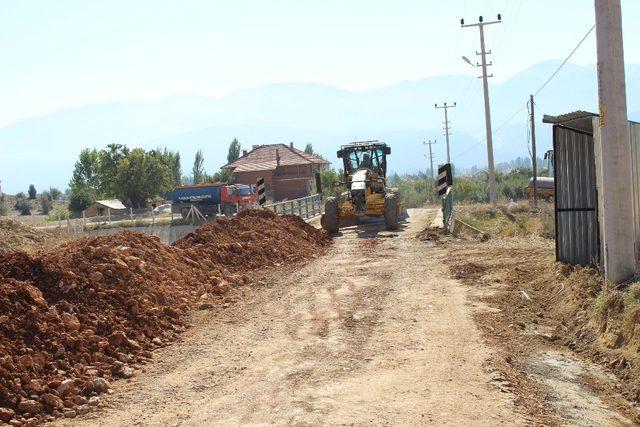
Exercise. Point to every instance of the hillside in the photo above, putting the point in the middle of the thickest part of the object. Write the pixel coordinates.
(42, 150)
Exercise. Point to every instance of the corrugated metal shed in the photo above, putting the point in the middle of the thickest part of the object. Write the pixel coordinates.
(576, 139)
(634, 136)
(576, 199)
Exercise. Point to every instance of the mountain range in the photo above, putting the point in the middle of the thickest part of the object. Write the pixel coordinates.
(42, 150)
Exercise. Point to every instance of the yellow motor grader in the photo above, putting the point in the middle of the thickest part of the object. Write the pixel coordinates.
(365, 170)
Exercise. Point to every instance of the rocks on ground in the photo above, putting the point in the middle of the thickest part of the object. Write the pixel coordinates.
(75, 318)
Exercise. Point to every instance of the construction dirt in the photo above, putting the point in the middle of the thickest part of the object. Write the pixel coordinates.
(558, 332)
(15, 236)
(412, 327)
(372, 332)
(75, 318)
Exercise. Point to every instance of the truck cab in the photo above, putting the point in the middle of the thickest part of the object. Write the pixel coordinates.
(238, 197)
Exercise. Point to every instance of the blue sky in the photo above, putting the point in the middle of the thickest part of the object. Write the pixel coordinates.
(64, 53)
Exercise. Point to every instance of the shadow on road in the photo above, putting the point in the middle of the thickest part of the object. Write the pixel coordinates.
(371, 227)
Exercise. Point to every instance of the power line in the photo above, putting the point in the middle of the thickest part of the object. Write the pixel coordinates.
(510, 118)
(565, 61)
(536, 93)
(473, 147)
(549, 79)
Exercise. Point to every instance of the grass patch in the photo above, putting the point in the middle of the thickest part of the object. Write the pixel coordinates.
(520, 219)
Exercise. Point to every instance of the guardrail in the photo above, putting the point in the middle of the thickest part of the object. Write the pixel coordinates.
(305, 207)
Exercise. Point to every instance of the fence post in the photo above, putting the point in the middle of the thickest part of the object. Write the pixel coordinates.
(131, 213)
(109, 214)
(84, 221)
(153, 217)
(68, 226)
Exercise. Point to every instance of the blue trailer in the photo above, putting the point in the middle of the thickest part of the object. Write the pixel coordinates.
(213, 199)
(206, 197)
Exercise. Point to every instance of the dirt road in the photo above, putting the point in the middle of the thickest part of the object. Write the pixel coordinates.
(374, 331)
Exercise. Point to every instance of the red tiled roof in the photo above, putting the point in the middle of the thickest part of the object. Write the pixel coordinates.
(265, 157)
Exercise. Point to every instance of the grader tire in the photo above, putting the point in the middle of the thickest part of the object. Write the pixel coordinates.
(391, 211)
(330, 217)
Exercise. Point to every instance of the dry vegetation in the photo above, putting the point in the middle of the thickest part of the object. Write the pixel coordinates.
(520, 219)
(15, 236)
(542, 304)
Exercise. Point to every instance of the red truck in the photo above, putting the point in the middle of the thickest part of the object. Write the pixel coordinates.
(238, 197)
(213, 199)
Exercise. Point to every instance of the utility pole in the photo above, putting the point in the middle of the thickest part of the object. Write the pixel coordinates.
(534, 159)
(430, 156)
(617, 194)
(446, 125)
(487, 109)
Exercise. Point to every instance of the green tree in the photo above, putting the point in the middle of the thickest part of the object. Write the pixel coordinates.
(223, 175)
(310, 150)
(32, 192)
(55, 193)
(142, 176)
(81, 197)
(107, 169)
(45, 204)
(234, 150)
(176, 170)
(134, 176)
(328, 177)
(85, 181)
(86, 170)
(22, 206)
(199, 174)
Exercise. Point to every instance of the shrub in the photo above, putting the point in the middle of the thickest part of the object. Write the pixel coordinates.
(55, 193)
(23, 207)
(32, 192)
(3, 209)
(60, 215)
(46, 204)
(80, 199)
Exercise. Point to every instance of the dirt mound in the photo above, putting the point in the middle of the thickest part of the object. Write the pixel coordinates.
(467, 270)
(254, 239)
(15, 236)
(88, 312)
(436, 235)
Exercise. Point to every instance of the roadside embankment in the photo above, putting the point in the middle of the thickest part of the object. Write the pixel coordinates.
(91, 310)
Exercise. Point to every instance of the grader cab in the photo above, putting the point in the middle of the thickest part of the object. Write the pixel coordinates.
(367, 194)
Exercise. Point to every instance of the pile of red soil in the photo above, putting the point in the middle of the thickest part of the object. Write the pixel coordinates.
(254, 239)
(75, 318)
